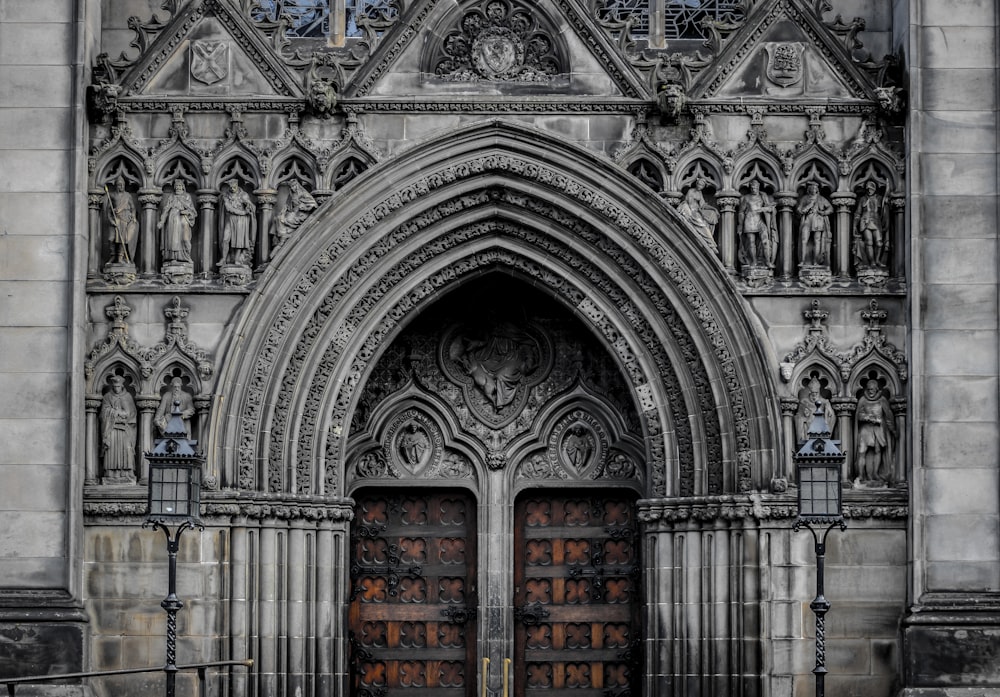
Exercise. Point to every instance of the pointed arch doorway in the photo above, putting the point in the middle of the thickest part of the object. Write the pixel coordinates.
(495, 458)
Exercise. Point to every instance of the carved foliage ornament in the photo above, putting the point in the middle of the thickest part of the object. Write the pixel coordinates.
(498, 41)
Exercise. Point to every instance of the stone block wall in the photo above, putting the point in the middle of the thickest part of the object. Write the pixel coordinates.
(41, 175)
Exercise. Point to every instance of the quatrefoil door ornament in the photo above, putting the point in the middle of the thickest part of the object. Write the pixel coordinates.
(579, 443)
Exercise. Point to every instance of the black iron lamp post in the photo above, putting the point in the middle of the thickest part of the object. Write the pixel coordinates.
(174, 499)
(818, 462)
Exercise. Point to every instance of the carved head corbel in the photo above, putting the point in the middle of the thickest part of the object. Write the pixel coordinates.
(322, 86)
(670, 100)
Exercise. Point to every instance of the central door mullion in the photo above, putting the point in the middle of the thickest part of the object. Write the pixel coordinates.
(496, 561)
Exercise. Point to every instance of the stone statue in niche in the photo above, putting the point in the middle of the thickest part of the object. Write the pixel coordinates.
(874, 435)
(118, 419)
(578, 446)
(239, 228)
(871, 244)
(175, 393)
(696, 211)
(814, 227)
(299, 204)
(758, 229)
(497, 361)
(177, 225)
(414, 446)
(808, 397)
(124, 224)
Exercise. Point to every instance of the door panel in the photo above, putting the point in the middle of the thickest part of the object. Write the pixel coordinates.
(413, 599)
(576, 567)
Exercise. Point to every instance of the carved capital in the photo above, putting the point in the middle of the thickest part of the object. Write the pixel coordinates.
(844, 203)
(898, 405)
(786, 200)
(844, 406)
(727, 204)
(95, 197)
(207, 198)
(789, 405)
(266, 197)
(150, 198)
(147, 403)
(92, 404)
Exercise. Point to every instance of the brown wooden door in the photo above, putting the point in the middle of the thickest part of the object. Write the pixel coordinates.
(413, 599)
(576, 597)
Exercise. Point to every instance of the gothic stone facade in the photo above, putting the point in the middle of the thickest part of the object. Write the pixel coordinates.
(498, 323)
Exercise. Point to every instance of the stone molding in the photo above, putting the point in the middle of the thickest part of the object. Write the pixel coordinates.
(885, 506)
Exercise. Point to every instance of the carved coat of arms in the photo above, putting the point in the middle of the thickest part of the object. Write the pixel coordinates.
(784, 62)
(209, 61)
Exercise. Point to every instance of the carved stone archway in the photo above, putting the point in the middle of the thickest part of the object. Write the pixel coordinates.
(496, 195)
(499, 198)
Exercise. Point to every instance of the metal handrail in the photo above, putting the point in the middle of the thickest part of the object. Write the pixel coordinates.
(12, 683)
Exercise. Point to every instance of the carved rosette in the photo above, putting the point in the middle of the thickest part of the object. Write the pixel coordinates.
(498, 41)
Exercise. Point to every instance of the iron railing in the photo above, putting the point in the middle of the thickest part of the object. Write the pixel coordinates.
(202, 668)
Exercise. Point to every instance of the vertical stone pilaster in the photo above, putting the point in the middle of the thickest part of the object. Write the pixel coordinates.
(95, 201)
(149, 199)
(266, 198)
(728, 202)
(844, 204)
(92, 405)
(789, 406)
(208, 201)
(786, 232)
(146, 406)
(844, 408)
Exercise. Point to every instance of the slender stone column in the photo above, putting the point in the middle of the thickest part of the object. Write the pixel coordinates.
(146, 405)
(149, 199)
(844, 408)
(300, 562)
(95, 201)
(844, 204)
(208, 200)
(789, 406)
(266, 198)
(898, 405)
(786, 232)
(728, 202)
(92, 404)
(270, 565)
(239, 604)
(897, 236)
(327, 562)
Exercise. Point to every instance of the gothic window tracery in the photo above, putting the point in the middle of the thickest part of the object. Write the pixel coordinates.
(306, 19)
(685, 19)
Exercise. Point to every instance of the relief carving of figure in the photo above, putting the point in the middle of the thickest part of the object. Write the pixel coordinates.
(757, 227)
(808, 396)
(414, 445)
(118, 419)
(177, 223)
(871, 244)
(814, 227)
(120, 212)
(874, 433)
(298, 206)
(696, 211)
(578, 446)
(176, 393)
(497, 362)
(239, 229)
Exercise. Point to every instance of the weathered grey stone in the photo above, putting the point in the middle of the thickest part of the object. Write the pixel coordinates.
(35, 395)
(951, 445)
(34, 170)
(969, 174)
(965, 306)
(961, 398)
(956, 216)
(961, 13)
(958, 47)
(954, 131)
(977, 358)
(964, 491)
(28, 43)
(966, 577)
(32, 442)
(956, 89)
(965, 537)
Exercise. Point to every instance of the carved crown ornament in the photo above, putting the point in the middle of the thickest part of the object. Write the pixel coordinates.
(817, 345)
(118, 347)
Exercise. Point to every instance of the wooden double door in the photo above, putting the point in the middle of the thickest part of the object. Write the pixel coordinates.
(452, 597)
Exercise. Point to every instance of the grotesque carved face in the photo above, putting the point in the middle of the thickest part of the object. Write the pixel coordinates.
(871, 389)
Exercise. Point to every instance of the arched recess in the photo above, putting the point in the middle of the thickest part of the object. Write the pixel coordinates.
(494, 196)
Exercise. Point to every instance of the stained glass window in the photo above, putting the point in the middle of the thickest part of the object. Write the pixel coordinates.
(306, 18)
(379, 10)
(683, 18)
(621, 10)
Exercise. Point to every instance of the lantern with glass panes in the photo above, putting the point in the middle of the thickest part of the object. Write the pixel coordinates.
(174, 498)
(818, 463)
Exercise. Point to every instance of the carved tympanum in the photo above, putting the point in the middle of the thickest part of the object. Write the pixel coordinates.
(498, 41)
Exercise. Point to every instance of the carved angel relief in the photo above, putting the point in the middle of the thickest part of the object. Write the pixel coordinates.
(496, 366)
